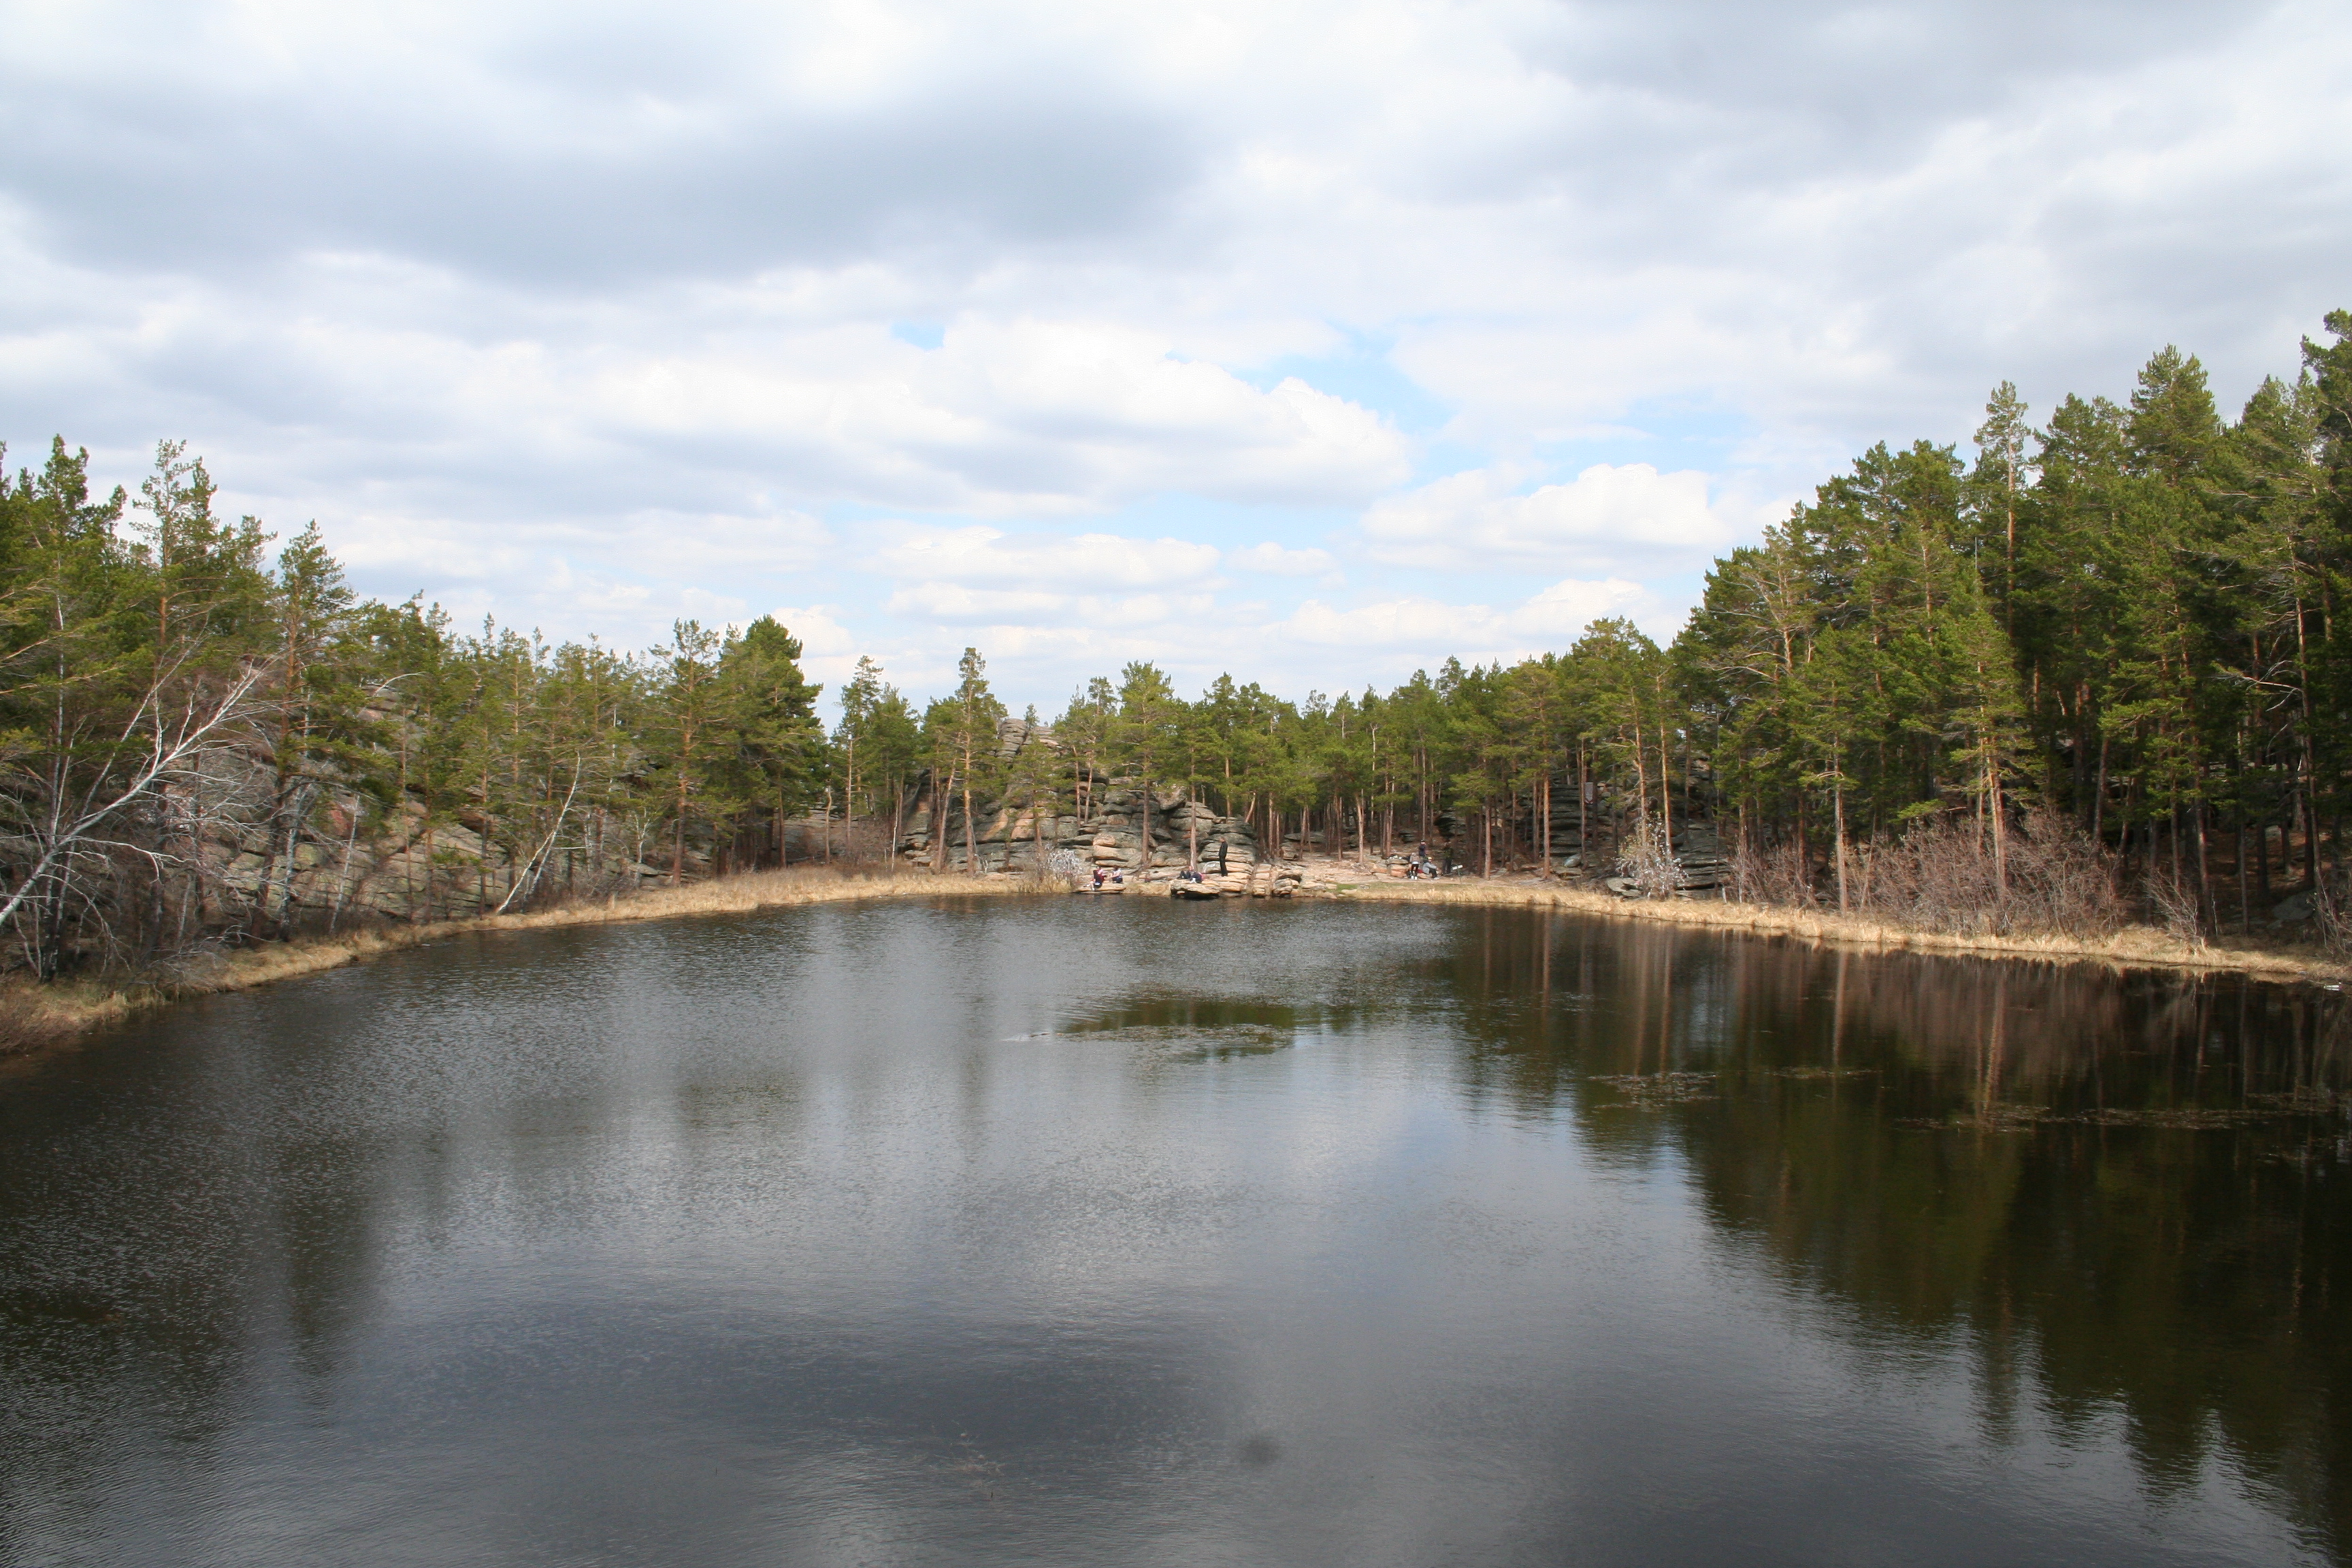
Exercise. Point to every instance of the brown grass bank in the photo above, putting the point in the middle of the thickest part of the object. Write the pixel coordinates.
(36, 1017)
(2136, 947)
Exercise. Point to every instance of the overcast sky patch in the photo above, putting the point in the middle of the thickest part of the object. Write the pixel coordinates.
(1295, 340)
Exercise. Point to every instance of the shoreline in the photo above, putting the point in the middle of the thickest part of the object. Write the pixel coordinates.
(2134, 947)
(34, 1020)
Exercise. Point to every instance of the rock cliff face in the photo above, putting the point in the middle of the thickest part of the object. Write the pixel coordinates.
(1010, 837)
(344, 868)
(335, 856)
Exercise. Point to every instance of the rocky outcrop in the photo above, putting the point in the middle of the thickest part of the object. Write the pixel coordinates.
(1011, 838)
(336, 855)
(1188, 837)
(345, 867)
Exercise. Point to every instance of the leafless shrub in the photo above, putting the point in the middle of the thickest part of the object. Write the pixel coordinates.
(190, 966)
(1065, 866)
(2178, 907)
(1941, 874)
(1646, 858)
(1937, 875)
(2060, 879)
(1774, 875)
(2331, 909)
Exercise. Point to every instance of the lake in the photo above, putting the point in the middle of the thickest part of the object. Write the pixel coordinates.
(1128, 1231)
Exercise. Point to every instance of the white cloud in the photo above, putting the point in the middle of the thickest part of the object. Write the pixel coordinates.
(1280, 561)
(1068, 564)
(628, 579)
(1606, 516)
(819, 629)
(829, 650)
(1559, 613)
(579, 314)
(954, 602)
(1547, 621)
(1008, 608)
(1099, 413)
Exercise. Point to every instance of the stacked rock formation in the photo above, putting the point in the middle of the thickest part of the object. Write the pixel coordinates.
(1185, 834)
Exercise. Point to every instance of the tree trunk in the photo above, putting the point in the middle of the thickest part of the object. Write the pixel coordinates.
(1837, 807)
(2207, 904)
(1999, 822)
(939, 792)
(970, 834)
(299, 809)
(2310, 822)
(1543, 820)
(677, 847)
(1583, 813)
(1666, 788)
(2245, 905)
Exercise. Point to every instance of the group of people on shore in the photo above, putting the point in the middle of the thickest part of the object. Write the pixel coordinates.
(1419, 864)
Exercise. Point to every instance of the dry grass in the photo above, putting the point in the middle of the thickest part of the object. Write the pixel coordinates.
(34, 1016)
(2136, 947)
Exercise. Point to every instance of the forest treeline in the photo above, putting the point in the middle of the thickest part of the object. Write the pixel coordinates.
(2100, 650)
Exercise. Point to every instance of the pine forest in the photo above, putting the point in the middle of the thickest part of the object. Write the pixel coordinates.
(2083, 674)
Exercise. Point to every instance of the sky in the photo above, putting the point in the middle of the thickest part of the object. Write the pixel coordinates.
(1313, 342)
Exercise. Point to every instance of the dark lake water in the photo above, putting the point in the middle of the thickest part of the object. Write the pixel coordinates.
(1137, 1232)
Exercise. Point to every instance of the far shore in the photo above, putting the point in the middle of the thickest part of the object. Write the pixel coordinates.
(2134, 947)
(33, 1016)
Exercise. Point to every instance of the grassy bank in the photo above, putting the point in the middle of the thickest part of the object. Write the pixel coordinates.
(35, 1017)
(2133, 947)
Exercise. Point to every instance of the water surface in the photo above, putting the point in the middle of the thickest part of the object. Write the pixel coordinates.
(1129, 1231)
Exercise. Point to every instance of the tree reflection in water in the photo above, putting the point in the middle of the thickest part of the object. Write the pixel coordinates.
(2125, 1193)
